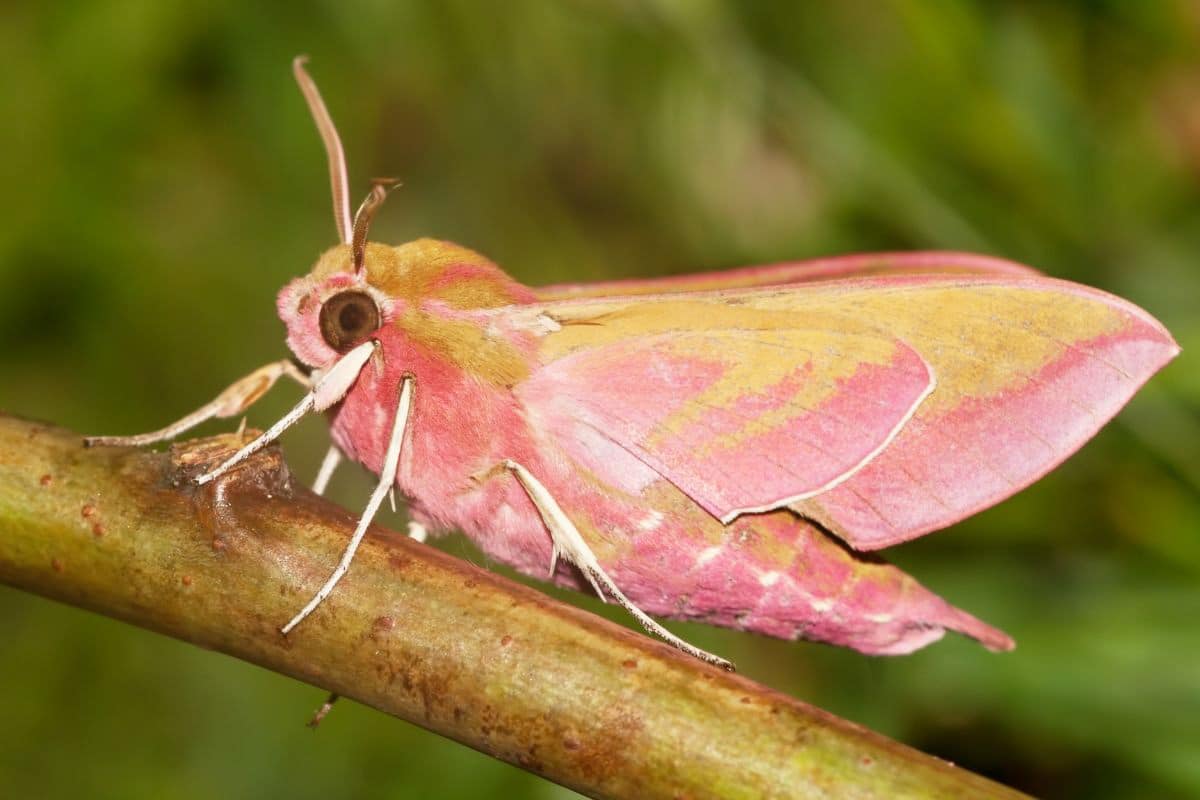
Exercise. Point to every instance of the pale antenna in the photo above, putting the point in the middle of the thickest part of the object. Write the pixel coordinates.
(338, 182)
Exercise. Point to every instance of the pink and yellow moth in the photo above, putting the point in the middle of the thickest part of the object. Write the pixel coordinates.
(722, 447)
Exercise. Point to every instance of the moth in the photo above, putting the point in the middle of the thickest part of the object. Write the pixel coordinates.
(729, 448)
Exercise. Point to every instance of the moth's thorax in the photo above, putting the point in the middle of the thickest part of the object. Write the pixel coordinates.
(427, 269)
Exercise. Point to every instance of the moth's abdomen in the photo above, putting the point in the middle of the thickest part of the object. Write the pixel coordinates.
(778, 575)
(774, 574)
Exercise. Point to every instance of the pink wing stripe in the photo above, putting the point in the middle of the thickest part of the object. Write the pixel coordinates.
(789, 272)
(848, 473)
(755, 449)
(941, 470)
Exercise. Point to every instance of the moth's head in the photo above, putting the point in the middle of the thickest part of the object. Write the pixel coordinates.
(358, 288)
(337, 306)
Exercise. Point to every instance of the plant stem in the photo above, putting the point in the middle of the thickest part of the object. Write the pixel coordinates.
(416, 633)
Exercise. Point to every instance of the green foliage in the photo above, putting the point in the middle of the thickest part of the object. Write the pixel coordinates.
(164, 180)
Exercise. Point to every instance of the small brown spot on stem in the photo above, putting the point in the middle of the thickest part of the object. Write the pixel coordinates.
(186, 580)
(629, 663)
(88, 511)
(98, 530)
(505, 640)
(56, 564)
(218, 545)
(46, 479)
(529, 761)
(571, 743)
(383, 624)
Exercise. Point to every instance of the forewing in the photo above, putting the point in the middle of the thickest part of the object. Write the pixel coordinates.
(1027, 372)
(813, 396)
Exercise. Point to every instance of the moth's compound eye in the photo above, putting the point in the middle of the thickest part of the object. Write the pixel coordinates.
(348, 318)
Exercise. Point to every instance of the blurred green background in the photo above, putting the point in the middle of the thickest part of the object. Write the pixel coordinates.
(163, 180)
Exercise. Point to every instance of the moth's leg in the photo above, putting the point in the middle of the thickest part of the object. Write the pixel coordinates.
(569, 543)
(324, 710)
(328, 389)
(387, 477)
(235, 399)
(333, 457)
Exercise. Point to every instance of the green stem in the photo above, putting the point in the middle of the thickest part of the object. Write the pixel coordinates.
(418, 634)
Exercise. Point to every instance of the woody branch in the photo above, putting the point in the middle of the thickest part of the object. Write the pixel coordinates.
(415, 633)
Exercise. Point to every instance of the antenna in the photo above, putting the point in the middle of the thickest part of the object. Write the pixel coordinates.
(362, 220)
(333, 149)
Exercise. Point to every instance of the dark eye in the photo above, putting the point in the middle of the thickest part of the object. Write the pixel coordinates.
(347, 319)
